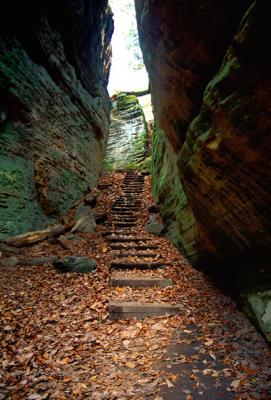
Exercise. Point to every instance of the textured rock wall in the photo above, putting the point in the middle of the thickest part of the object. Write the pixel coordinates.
(181, 56)
(209, 69)
(54, 107)
(128, 138)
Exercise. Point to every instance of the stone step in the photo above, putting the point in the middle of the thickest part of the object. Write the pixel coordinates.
(137, 265)
(122, 216)
(118, 310)
(135, 209)
(122, 212)
(133, 247)
(132, 191)
(141, 255)
(126, 207)
(124, 224)
(126, 203)
(128, 239)
(124, 219)
(135, 186)
(138, 281)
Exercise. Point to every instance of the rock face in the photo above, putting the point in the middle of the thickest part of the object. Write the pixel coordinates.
(128, 139)
(54, 107)
(209, 70)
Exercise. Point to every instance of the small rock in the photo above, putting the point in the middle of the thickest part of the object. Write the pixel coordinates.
(10, 262)
(85, 220)
(72, 237)
(153, 226)
(101, 218)
(75, 264)
(91, 200)
(153, 208)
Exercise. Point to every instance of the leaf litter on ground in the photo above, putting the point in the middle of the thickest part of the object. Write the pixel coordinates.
(57, 341)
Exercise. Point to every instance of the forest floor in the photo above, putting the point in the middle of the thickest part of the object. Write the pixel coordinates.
(57, 341)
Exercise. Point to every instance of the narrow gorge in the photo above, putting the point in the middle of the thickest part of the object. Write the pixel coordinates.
(199, 140)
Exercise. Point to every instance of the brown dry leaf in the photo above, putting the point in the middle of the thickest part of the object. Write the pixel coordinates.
(120, 289)
(209, 342)
(130, 364)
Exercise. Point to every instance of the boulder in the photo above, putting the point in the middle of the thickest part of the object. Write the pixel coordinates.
(154, 226)
(260, 303)
(85, 220)
(75, 264)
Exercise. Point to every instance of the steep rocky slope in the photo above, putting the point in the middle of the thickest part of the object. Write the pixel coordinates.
(54, 107)
(209, 69)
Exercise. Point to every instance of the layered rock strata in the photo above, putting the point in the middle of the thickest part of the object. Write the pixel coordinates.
(209, 69)
(54, 107)
(128, 139)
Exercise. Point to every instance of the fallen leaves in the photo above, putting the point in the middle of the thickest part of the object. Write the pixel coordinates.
(58, 343)
(130, 364)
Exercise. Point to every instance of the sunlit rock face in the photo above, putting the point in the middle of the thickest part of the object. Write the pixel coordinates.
(54, 107)
(209, 70)
(128, 139)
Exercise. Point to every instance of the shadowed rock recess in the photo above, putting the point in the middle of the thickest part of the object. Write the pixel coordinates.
(54, 107)
(209, 71)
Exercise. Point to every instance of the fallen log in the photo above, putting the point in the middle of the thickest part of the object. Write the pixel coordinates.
(8, 250)
(22, 260)
(35, 236)
(37, 260)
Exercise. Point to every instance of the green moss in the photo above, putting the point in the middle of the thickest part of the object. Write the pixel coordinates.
(17, 214)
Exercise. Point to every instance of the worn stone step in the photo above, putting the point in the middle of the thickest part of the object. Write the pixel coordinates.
(121, 212)
(133, 187)
(117, 280)
(132, 247)
(121, 217)
(115, 233)
(124, 219)
(136, 265)
(124, 224)
(135, 209)
(126, 203)
(128, 239)
(126, 207)
(132, 191)
(118, 310)
(141, 255)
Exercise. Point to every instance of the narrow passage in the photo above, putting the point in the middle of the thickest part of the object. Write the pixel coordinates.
(67, 336)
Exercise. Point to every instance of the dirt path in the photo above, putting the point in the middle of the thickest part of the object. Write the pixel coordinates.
(58, 341)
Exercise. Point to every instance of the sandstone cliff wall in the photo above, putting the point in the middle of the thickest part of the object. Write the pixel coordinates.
(209, 67)
(54, 107)
(127, 146)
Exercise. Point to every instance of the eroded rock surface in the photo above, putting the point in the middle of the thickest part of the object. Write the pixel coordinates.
(128, 139)
(209, 70)
(54, 107)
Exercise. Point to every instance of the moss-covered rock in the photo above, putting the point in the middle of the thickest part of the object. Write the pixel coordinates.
(54, 107)
(127, 146)
(211, 156)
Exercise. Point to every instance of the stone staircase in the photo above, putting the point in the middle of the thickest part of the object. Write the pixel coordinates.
(132, 252)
